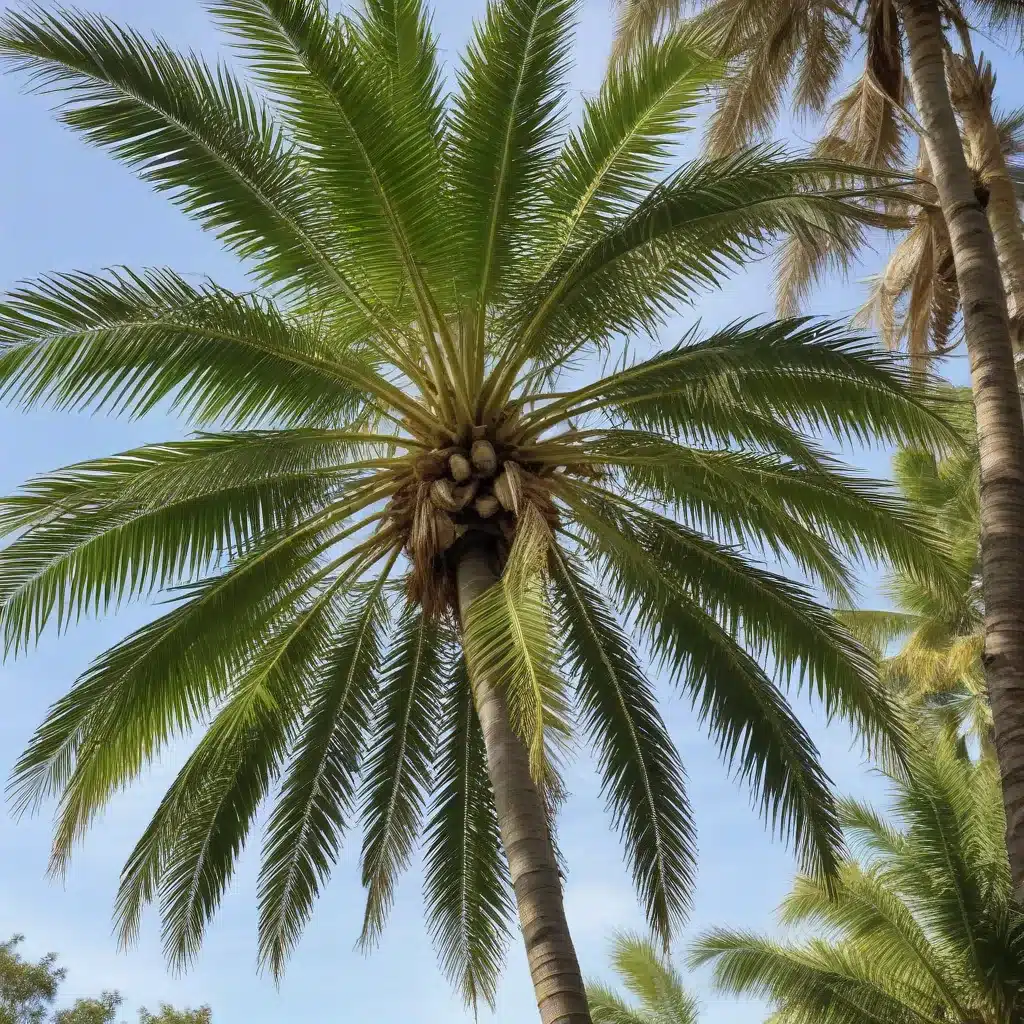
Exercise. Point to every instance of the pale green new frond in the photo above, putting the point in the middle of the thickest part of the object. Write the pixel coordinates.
(814, 984)
(607, 1007)
(317, 795)
(507, 637)
(868, 833)
(398, 766)
(876, 630)
(642, 776)
(649, 976)
(466, 885)
(864, 909)
(192, 131)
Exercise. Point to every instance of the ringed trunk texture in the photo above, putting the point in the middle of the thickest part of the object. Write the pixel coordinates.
(522, 819)
(974, 102)
(998, 406)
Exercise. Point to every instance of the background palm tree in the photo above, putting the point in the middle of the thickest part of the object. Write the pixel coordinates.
(774, 46)
(407, 536)
(937, 669)
(649, 977)
(922, 926)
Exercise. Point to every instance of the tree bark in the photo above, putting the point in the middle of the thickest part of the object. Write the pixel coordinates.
(997, 402)
(522, 819)
(972, 95)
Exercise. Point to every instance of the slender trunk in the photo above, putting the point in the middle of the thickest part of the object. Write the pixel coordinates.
(996, 399)
(973, 97)
(522, 819)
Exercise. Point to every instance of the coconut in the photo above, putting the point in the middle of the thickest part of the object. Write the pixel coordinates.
(486, 506)
(459, 467)
(430, 466)
(508, 488)
(484, 459)
(442, 495)
(444, 530)
(464, 494)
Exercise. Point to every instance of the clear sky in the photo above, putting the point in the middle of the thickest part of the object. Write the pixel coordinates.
(64, 207)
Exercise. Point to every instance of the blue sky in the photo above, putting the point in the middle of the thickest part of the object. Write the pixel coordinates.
(64, 207)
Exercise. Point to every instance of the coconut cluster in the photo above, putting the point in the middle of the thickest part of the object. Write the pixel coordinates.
(456, 490)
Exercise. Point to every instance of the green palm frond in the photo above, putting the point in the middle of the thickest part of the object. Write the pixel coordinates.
(641, 772)
(399, 762)
(507, 115)
(831, 983)
(192, 131)
(466, 886)
(755, 730)
(921, 926)
(627, 131)
(126, 342)
(318, 792)
(661, 997)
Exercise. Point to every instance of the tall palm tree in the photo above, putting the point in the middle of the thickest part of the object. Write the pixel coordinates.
(405, 533)
(803, 47)
(937, 669)
(656, 986)
(923, 925)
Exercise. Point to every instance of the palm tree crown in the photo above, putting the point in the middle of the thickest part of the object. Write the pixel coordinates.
(393, 395)
(923, 925)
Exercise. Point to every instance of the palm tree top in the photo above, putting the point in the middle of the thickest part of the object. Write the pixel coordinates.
(429, 268)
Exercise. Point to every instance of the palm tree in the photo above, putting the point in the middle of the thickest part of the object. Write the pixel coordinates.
(922, 926)
(775, 46)
(404, 533)
(937, 669)
(657, 987)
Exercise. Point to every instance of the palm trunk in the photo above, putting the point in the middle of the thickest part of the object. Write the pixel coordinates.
(973, 97)
(522, 819)
(997, 402)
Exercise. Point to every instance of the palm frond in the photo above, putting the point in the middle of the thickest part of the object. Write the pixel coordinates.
(607, 164)
(305, 831)
(643, 778)
(466, 887)
(755, 729)
(684, 235)
(800, 374)
(649, 976)
(370, 149)
(504, 127)
(830, 984)
(193, 131)
(398, 764)
(157, 684)
(125, 342)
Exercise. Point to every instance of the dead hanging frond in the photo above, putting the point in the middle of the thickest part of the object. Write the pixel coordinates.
(640, 20)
